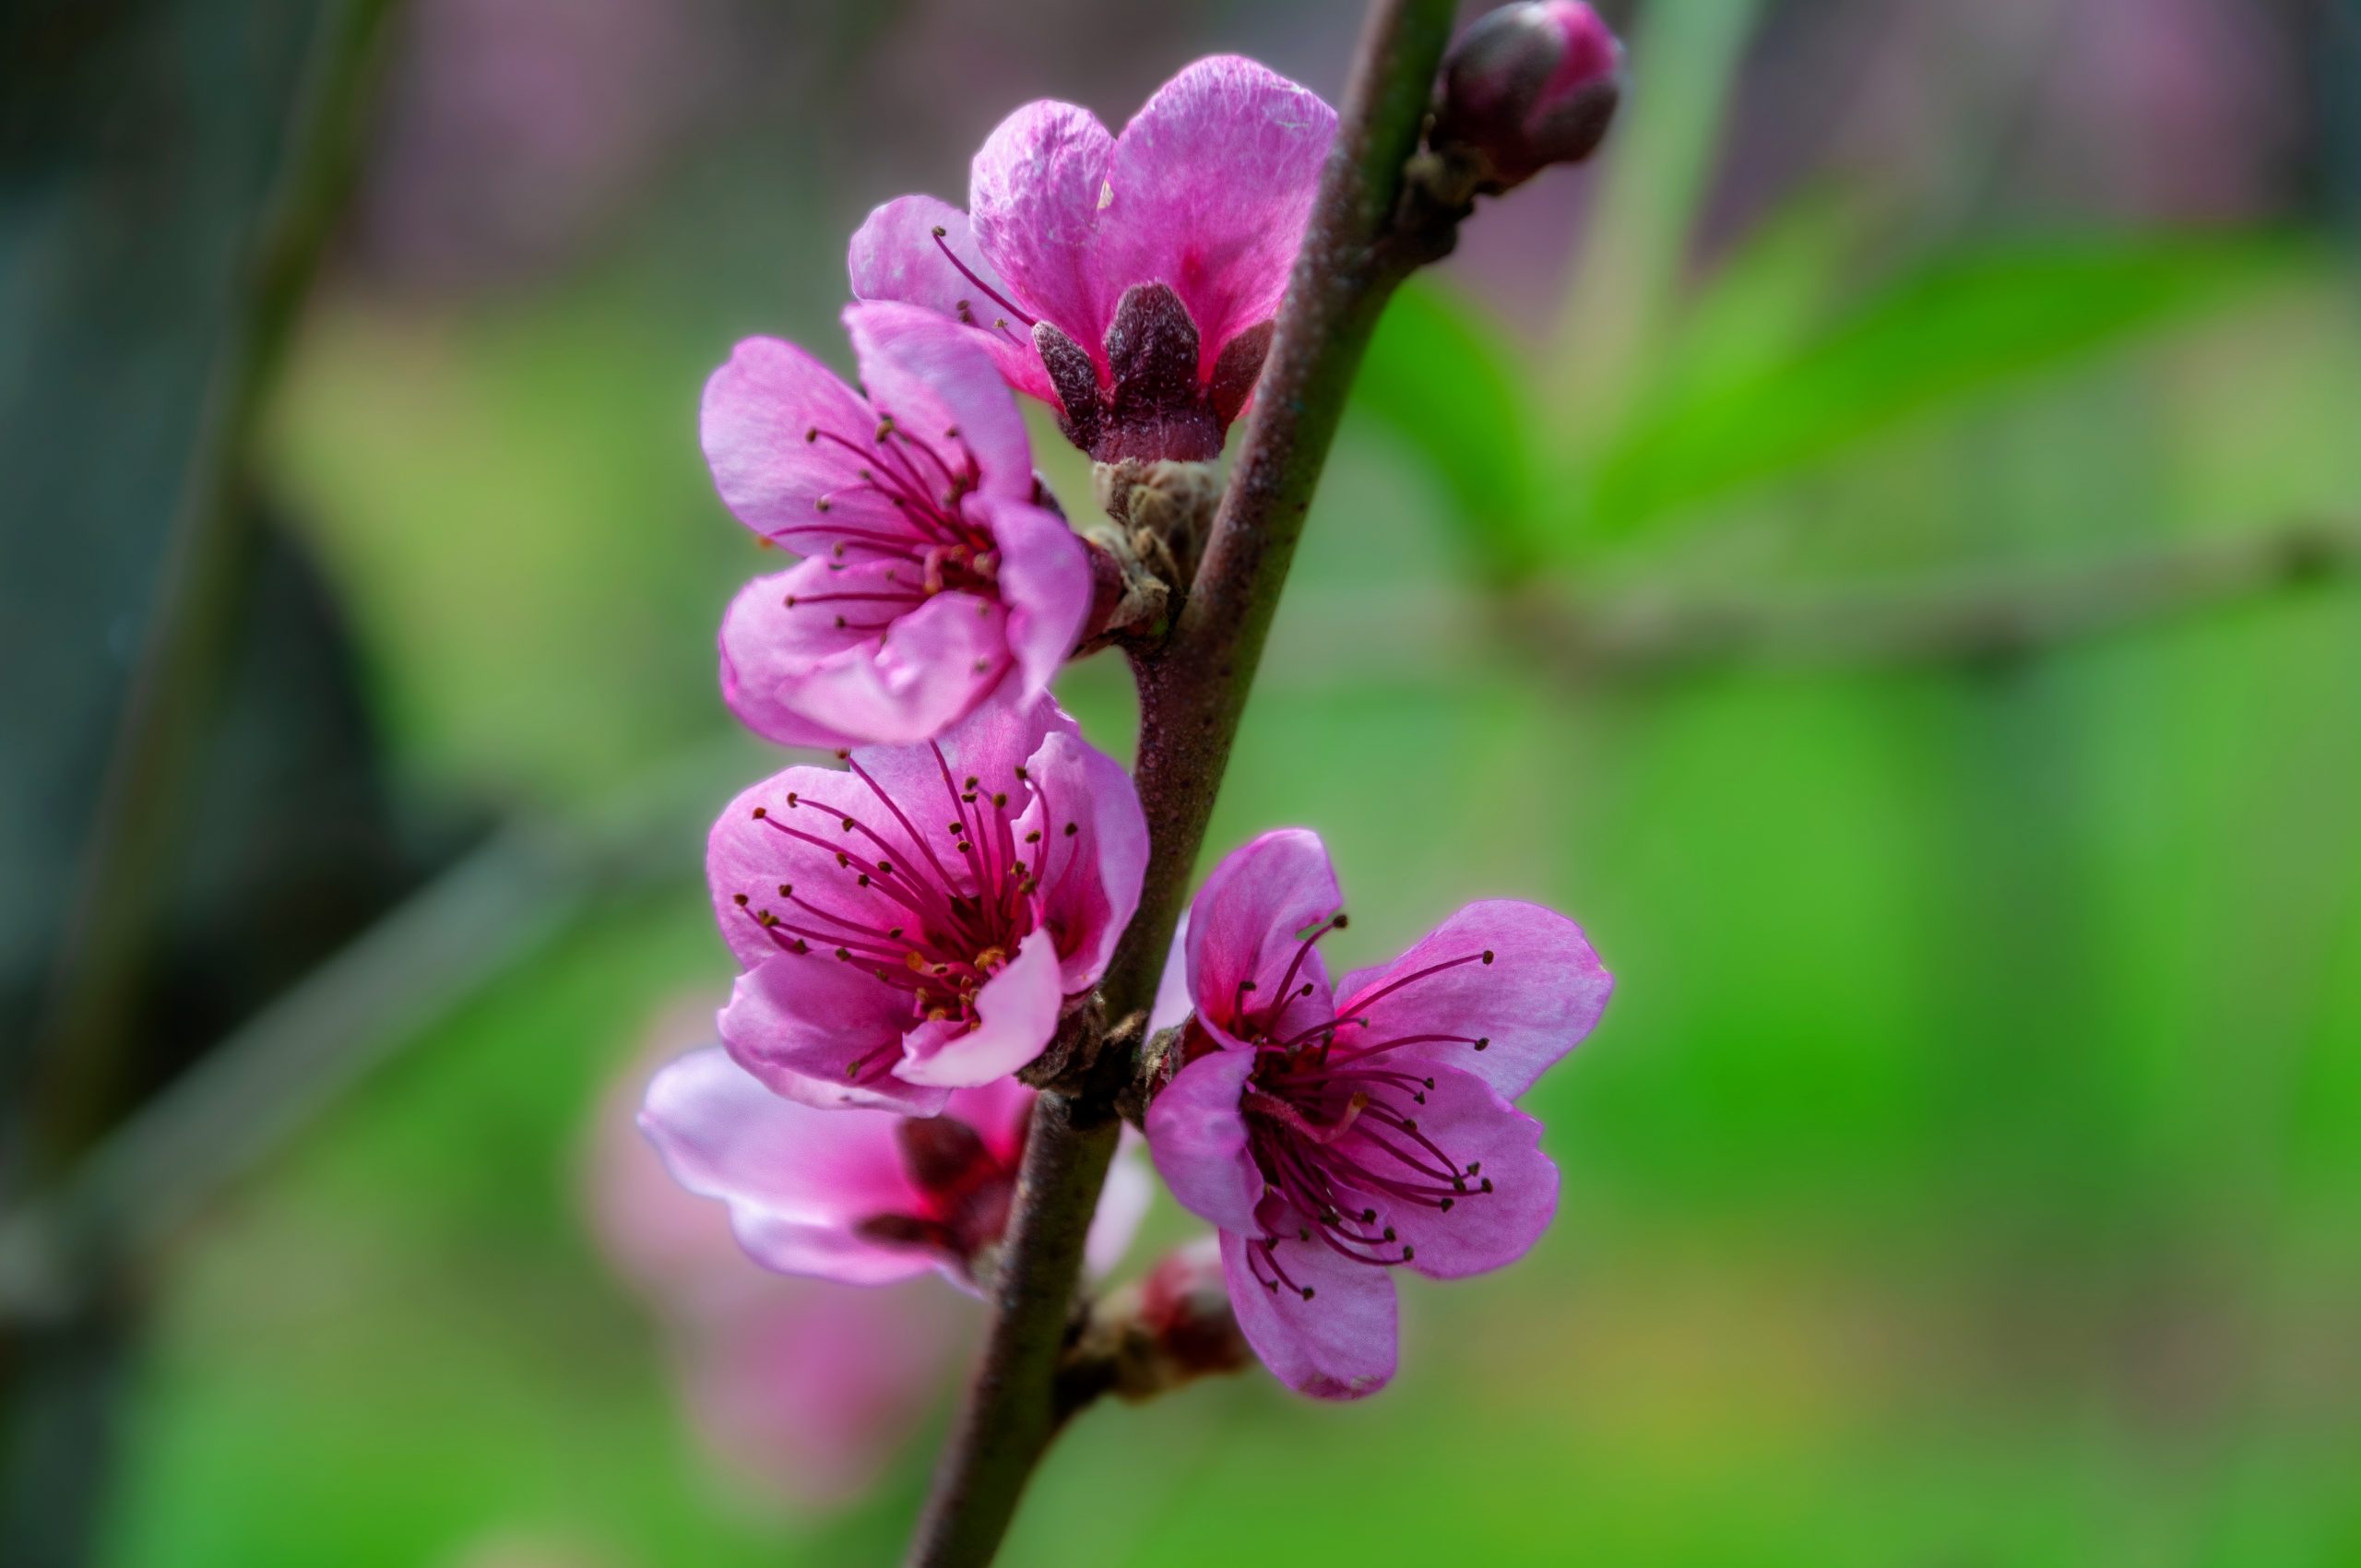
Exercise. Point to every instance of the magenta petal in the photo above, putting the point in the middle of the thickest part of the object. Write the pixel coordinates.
(759, 412)
(999, 1112)
(767, 648)
(1243, 923)
(895, 257)
(931, 377)
(825, 1032)
(1341, 1343)
(1045, 584)
(1090, 879)
(1034, 198)
(1016, 1011)
(1209, 188)
(1198, 1138)
(1543, 992)
(798, 1181)
(1467, 1119)
(993, 742)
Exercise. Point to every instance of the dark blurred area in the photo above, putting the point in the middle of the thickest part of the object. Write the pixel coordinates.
(1967, 1171)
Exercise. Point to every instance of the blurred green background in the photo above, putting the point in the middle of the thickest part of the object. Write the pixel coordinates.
(1968, 1171)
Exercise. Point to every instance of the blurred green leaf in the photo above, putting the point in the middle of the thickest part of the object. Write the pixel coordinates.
(1951, 332)
(1441, 378)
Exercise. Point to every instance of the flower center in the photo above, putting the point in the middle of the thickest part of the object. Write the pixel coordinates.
(937, 550)
(937, 924)
(964, 1190)
(1334, 1130)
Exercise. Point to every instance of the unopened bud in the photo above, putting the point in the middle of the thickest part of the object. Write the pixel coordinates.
(1529, 86)
(1184, 1305)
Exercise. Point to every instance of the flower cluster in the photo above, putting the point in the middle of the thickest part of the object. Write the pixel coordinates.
(916, 923)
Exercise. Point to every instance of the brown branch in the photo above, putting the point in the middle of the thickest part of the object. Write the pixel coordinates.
(1191, 691)
(1959, 621)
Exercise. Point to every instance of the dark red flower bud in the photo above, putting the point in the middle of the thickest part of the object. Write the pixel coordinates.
(1529, 86)
(1185, 1305)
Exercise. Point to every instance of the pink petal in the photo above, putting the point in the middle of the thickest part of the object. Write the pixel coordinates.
(1198, 1138)
(924, 674)
(998, 1111)
(800, 1022)
(1090, 879)
(1465, 1118)
(931, 376)
(1339, 1344)
(1045, 584)
(1122, 1204)
(759, 412)
(1173, 1004)
(1210, 186)
(799, 1182)
(767, 648)
(754, 856)
(991, 744)
(1244, 923)
(895, 257)
(1016, 1011)
(1034, 198)
(1543, 992)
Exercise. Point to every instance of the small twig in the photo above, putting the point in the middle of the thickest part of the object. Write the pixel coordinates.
(1945, 622)
(1191, 691)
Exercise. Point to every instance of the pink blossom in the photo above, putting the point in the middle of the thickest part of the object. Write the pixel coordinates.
(1333, 1133)
(800, 1386)
(932, 576)
(864, 1197)
(1129, 280)
(914, 925)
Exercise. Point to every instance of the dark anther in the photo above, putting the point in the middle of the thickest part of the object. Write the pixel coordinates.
(1487, 1186)
(1482, 1042)
(1488, 955)
(1307, 1292)
(1389, 1233)
(760, 814)
(1408, 1253)
(1445, 1204)
(739, 899)
(1071, 828)
(1368, 1216)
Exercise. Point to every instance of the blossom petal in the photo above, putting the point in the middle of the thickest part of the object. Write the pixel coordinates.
(1244, 923)
(1543, 992)
(999, 1112)
(926, 671)
(818, 1030)
(991, 744)
(931, 377)
(1209, 188)
(1034, 197)
(895, 255)
(1340, 1344)
(1045, 584)
(1198, 1137)
(767, 646)
(753, 856)
(799, 1182)
(1469, 1121)
(1016, 1011)
(1092, 853)
(760, 409)
(1122, 1204)
(1173, 1004)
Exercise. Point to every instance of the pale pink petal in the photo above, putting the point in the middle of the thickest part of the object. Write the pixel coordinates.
(1467, 1119)
(767, 646)
(928, 670)
(1208, 190)
(1198, 1137)
(1016, 1011)
(1045, 584)
(931, 377)
(1245, 922)
(1090, 875)
(991, 744)
(1173, 1004)
(895, 255)
(1543, 992)
(760, 412)
(1034, 197)
(1122, 1204)
(799, 1182)
(817, 1029)
(1338, 1344)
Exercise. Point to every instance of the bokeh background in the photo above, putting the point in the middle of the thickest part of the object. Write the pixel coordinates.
(1968, 1171)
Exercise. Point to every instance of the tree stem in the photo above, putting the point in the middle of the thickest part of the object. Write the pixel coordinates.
(1191, 692)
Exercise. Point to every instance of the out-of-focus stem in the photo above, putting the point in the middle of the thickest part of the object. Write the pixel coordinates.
(1192, 688)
